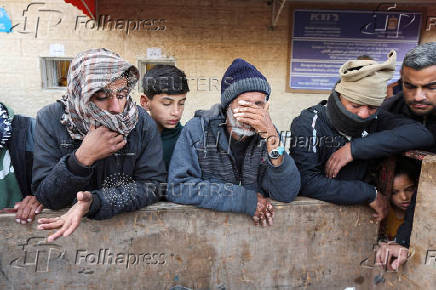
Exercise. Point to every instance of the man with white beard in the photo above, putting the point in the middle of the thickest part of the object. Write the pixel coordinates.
(229, 158)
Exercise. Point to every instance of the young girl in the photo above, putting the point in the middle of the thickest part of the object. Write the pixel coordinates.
(404, 187)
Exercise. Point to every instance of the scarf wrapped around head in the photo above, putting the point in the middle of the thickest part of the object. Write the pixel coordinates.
(364, 82)
(89, 72)
(5, 125)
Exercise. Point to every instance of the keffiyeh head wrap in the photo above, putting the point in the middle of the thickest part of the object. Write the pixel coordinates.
(5, 126)
(89, 72)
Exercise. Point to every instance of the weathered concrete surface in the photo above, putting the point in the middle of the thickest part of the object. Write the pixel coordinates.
(420, 271)
(312, 245)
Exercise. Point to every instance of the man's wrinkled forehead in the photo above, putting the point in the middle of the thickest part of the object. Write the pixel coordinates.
(252, 97)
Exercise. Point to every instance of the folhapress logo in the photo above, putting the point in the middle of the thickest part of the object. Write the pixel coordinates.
(37, 255)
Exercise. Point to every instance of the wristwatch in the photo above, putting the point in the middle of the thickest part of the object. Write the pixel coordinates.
(276, 153)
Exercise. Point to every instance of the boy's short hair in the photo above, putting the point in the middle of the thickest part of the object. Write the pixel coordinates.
(164, 79)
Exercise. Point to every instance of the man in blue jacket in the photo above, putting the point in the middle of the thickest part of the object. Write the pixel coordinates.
(95, 148)
(229, 158)
(336, 140)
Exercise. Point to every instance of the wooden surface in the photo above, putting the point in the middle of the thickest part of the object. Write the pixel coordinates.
(312, 245)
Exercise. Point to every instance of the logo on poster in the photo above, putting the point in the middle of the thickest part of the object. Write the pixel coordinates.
(324, 17)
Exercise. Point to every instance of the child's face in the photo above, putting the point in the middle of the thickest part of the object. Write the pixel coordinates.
(166, 110)
(403, 190)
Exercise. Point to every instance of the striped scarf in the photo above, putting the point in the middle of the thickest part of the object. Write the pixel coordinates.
(5, 126)
(89, 72)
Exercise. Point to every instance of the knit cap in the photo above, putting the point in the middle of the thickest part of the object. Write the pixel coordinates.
(242, 77)
(364, 82)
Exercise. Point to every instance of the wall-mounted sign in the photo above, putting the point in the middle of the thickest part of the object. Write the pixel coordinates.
(5, 21)
(322, 40)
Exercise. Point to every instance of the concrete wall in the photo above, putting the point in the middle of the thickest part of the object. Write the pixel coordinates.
(202, 36)
(312, 245)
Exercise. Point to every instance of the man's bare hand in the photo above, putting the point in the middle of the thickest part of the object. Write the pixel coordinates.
(338, 160)
(69, 221)
(257, 117)
(264, 214)
(391, 256)
(99, 143)
(381, 206)
(25, 210)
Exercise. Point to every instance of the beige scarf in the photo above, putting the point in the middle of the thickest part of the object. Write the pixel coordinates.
(364, 82)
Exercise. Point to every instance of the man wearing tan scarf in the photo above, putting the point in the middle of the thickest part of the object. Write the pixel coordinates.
(346, 132)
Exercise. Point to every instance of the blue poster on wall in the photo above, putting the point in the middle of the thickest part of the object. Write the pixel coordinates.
(322, 40)
(5, 21)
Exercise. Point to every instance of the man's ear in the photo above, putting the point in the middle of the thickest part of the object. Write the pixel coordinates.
(145, 102)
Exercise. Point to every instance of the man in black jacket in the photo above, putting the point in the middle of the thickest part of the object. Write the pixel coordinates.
(96, 145)
(418, 98)
(333, 142)
(418, 102)
(16, 155)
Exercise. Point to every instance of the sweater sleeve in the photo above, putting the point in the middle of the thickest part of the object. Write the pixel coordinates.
(282, 182)
(186, 185)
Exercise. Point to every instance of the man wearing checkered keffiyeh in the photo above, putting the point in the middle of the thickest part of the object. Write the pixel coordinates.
(95, 148)
(89, 72)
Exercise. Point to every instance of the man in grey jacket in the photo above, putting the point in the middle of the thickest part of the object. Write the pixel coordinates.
(229, 158)
(95, 147)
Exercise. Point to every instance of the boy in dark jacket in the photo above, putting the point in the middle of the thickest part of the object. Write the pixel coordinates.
(16, 155)
(229, 158)
(96, 145)
(333, 142)
(165, 88)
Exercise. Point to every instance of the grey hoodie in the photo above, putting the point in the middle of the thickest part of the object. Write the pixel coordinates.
(203, 169)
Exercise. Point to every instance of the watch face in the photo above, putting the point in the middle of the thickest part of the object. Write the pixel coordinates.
(274, 154)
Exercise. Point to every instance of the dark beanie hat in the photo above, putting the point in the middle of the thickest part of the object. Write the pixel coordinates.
(242, 77)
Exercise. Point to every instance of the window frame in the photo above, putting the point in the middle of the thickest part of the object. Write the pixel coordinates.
(142, 67)
(45, 78)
